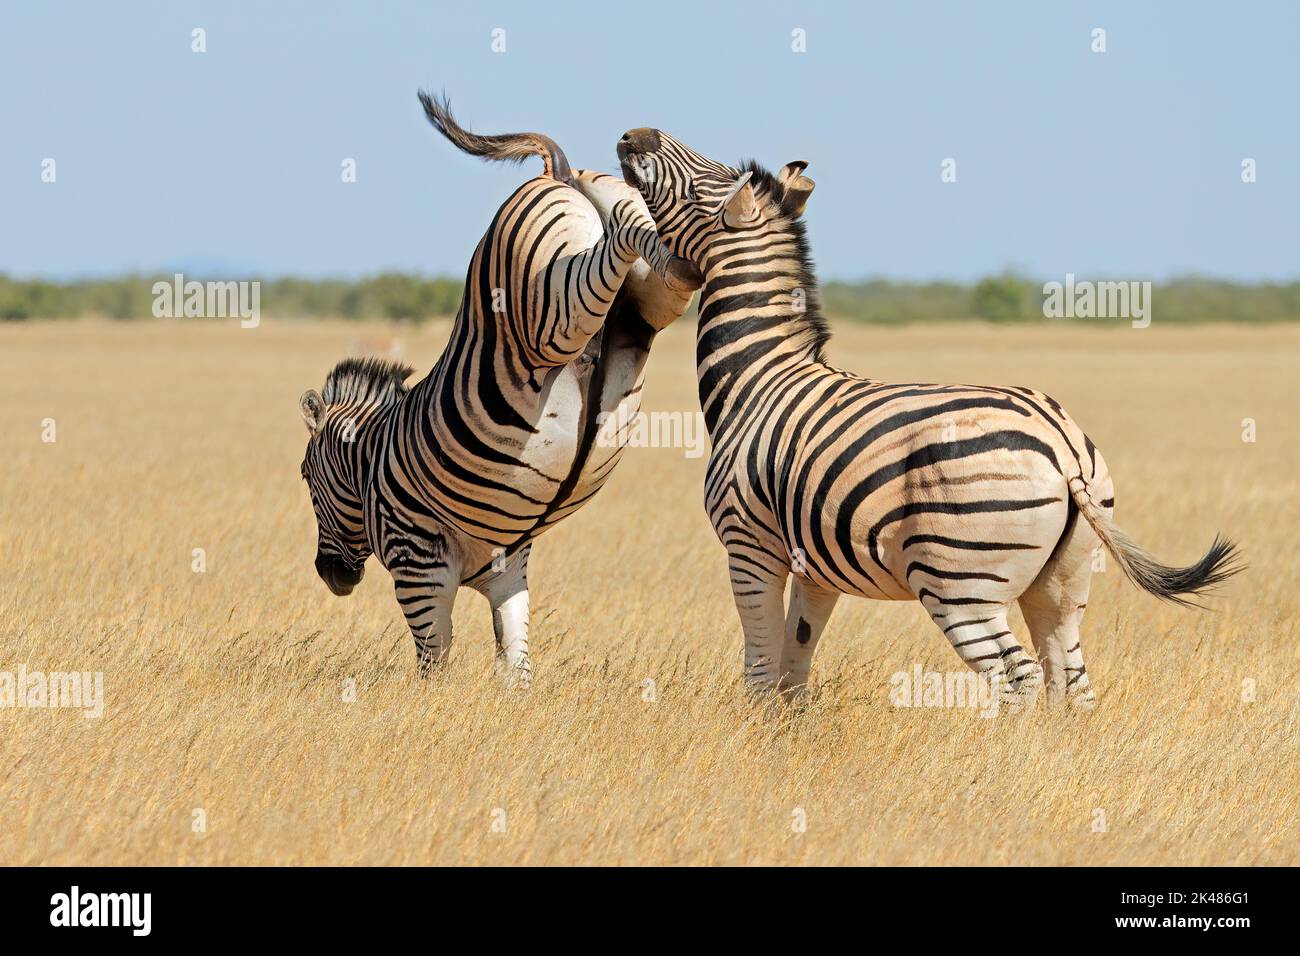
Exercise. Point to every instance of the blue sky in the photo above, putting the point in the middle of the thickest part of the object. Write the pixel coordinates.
(1123, 164)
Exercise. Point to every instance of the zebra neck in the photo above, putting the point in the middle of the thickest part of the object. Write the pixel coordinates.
(754, 329)
(371, 437)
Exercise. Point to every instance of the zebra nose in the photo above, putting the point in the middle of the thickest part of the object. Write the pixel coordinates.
(641, 140)
(337, 575)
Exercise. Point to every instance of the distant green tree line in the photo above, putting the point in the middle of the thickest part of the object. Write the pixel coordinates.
(397, 296)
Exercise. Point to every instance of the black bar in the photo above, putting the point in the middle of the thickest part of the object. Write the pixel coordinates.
(556, 907)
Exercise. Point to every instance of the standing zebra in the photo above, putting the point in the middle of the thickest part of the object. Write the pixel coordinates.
(965, 498)
(448, 482)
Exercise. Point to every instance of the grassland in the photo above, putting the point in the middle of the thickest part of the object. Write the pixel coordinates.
(225, 689)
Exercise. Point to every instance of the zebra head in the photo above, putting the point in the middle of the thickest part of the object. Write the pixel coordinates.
(337, 419)
(694, 200)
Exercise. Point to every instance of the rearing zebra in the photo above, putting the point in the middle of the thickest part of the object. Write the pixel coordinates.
(965, 498)
(449, 482)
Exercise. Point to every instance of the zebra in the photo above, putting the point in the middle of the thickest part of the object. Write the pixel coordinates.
(964, 498)
(448, 481)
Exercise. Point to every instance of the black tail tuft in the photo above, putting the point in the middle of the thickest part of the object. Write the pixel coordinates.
(508, 147)
(1178, 585)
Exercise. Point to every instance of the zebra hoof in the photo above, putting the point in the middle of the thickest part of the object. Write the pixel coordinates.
(517, 682)
(1021, 691)
(681, 275)
(1082, 703)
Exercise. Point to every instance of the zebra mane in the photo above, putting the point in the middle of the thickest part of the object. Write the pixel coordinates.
(769, 189)
(367, 380)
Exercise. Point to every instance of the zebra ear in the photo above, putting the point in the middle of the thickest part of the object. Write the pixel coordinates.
(312, 407)
(739, 205)
(791, 170)
(798, 187)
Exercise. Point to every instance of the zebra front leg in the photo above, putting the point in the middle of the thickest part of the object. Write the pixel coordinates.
(507, 593)
(759, 601)
(591, 279)
(425, 579)
(810, 609)
(634, 235)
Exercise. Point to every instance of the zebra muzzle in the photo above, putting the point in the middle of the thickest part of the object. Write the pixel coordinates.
(338, 576)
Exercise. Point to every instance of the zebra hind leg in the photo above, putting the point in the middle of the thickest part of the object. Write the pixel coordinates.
(507, 593)
(1053, 607)
(982, 638)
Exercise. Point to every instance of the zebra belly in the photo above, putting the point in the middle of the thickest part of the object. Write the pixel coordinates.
(946, 489)
(578, 447)
(568, 459)
(949, 529)
(554, 447)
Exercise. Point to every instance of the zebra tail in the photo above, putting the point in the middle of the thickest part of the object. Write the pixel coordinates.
(507, 147)
(1176, 585)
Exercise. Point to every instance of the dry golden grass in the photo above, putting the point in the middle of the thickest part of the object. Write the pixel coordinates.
(224, 689)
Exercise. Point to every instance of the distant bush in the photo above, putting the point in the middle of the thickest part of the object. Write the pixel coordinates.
(1004, 298)
(881, 300)
(408, 298)
(393, 296)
